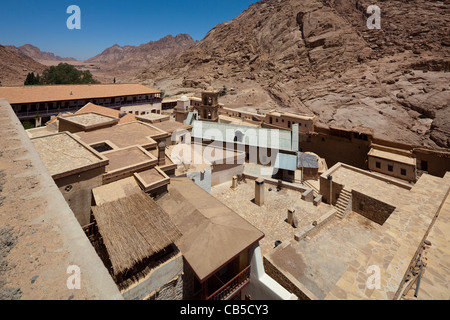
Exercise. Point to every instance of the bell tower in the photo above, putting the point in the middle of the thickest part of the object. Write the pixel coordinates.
(209, 110)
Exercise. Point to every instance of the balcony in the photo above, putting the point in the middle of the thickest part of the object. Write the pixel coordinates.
(232, 287)
(48, 112)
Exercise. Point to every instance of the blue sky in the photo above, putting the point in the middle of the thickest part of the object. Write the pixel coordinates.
(104, 23)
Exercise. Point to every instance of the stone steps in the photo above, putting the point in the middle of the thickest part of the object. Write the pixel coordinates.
(342, 203)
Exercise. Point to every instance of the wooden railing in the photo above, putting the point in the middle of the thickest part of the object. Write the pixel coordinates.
(91, 230)
(228, 290)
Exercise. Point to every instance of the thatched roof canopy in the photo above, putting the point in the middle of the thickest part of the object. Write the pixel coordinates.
(134, 228)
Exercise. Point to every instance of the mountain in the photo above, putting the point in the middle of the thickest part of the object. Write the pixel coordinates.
(319, 57)
(137, 58)
(14, 67)
(36, 54)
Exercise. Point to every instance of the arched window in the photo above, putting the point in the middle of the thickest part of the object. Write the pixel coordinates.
(238, 136)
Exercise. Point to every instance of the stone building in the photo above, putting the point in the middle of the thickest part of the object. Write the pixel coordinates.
(393, 162)
(40, 103)
(76, 169)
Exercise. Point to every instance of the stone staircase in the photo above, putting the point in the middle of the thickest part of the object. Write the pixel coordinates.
(343, 203)
(316, 192)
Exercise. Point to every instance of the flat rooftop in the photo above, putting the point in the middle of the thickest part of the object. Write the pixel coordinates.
(171, 126)
(64, 155)
(151, 176)
(153, 117)
(290, 114)
(128, 158)
(435, 282)
(394, 245)
(115, 190)
(89, 120)
(332, 262)
(152, 179)
(237, 121)
(270, 218)
(43, 131)
(319, 261)
(196, 157)
(371, 184)
(90, 107)
(33, 94)
(124, 135)
(392, 156)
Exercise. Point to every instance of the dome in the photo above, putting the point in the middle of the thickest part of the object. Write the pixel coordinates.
(210, 89)
(184, 98)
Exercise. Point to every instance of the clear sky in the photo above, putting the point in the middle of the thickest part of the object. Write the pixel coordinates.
(107, 22)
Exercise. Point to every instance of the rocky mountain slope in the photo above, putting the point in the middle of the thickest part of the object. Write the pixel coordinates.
(135, 58)
(318, 56)
(36, 54)
(14, 67)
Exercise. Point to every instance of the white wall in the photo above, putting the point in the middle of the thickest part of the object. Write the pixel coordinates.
(147, 108)
(262, 286)
(203, 180)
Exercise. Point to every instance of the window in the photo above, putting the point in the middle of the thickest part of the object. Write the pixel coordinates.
(424, 165)
(378, 165)
(276, 119)
(390, 168)
(403, 172)
(361, 207)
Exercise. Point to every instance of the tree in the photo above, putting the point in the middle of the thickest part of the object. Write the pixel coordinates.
(31, 79)
(65, 73)
(223, 92)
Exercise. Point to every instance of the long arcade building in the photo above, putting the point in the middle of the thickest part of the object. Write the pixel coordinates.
(40, 103)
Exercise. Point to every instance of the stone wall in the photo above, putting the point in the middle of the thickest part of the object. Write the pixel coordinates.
(336, 189)
(164, 282)
(77, 190)
(287, 281)
(370, 208)
(222, 173)
(336, 149)
(173, 290)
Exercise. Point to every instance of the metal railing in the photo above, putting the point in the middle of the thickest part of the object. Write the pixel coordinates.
(228, 290)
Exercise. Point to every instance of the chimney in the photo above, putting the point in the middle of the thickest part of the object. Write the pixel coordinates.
(234, 182)
(291, 216)
(295, 137)
(259, 192)
(161, 153)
